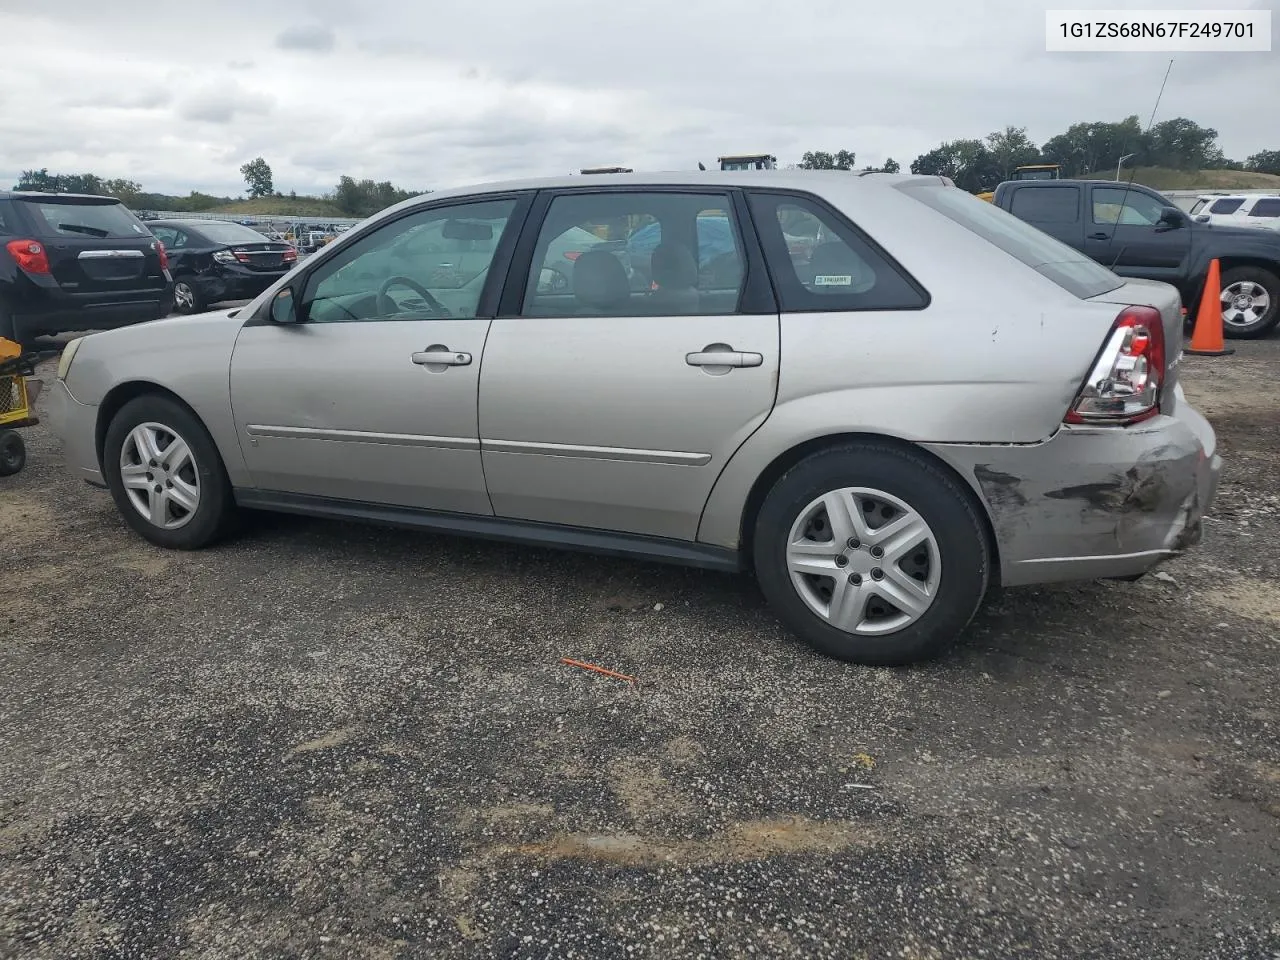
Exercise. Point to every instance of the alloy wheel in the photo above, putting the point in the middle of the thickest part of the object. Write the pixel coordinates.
(1244, 303)
(159, 474)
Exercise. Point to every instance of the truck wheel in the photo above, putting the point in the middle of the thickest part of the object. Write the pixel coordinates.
(13, 453)
(872, 554)
(1250, 302)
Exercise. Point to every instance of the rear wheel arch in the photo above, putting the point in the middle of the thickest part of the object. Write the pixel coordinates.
(789, 458)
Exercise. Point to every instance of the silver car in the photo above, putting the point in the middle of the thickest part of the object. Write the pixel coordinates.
(934, 399)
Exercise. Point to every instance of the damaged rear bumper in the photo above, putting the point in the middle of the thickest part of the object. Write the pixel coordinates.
(1095, 502)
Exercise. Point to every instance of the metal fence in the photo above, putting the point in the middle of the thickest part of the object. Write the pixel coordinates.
(268, 218)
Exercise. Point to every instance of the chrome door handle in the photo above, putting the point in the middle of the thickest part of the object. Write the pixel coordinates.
(440, 355)
(723, 358)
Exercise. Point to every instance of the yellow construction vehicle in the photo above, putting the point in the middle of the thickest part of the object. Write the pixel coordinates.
(1030, 171)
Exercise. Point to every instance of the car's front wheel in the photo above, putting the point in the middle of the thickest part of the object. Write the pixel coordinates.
(166, 476)
(187, 297)
(872, 554)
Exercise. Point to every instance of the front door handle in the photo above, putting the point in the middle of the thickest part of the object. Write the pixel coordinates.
(439, 355)
(1099, 236)
(722, 355)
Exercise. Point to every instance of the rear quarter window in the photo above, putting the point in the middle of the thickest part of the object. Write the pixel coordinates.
(1269, 207)
(1052, 259)
(100, 221)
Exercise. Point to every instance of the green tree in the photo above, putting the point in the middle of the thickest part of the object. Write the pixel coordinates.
(821, 160)
(1184, 145)
(363, 198)
(1011, 148)
(127, 192)
(257, 178)
(1265, 161)
(891, 166)
(966, 162)
(1086, 148)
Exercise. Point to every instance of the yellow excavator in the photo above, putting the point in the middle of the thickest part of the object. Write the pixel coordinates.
(1030, 171)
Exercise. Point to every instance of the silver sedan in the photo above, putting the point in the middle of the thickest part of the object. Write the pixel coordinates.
(932, 399)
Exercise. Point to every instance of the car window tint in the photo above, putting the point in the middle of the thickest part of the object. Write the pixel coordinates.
(97, 220)
(1115, 204)
(166, 235)
(819, 261)
(1047, 204)
(429, 265)
(1267, 207)
(1226, 205)
(636, 254)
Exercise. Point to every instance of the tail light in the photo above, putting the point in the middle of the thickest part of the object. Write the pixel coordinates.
(289, 256)
(1125, 381)
(242, 255)
(572, 254)
(30, 255)
(163, 255)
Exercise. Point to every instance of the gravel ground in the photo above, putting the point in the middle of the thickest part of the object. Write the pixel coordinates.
(323, 740)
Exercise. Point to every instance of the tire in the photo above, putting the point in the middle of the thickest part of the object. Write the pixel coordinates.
(8, 325)
(189, 300)
(13, 453)
(950, 566)
(1250, 281)
(182, 528)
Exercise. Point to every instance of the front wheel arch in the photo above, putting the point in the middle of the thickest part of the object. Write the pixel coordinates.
(789, 458)
(121, 394)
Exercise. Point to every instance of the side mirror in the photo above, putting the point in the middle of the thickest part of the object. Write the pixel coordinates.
(283, 307)
(1171, 218)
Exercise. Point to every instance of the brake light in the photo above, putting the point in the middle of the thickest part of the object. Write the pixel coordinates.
(241, 255)
(1124, 384)
(163, 255)
(30, 255)
(289, 256)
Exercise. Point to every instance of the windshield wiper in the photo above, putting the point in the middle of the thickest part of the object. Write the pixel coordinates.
(83, 228)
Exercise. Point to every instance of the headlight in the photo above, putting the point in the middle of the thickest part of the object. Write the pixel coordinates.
(68, 354)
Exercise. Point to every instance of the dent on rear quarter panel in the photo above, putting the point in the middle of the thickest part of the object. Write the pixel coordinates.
(1089, 492)
(188, 356)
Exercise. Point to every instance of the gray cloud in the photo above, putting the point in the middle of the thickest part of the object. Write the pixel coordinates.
(313, 37)
(222, 105)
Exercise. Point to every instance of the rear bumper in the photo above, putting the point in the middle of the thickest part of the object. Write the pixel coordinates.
(234, 283)
(75, 423)
(1093, 502)
(42, 311)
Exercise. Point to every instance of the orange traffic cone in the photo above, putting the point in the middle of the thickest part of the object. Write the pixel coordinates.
(1206, 338)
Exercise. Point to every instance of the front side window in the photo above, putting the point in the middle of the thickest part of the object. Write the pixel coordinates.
(821, 262)
(636, 254)
(428, 265)
(1115, 205)
(1226, 205)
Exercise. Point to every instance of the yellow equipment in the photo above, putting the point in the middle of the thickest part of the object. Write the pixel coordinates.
(15, 411)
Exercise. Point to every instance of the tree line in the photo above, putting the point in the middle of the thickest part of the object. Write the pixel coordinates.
(353, 198)
(1086, 148)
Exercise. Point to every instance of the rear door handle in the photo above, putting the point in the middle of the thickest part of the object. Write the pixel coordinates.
(723, 358)
(1099, 236)
(437, 354)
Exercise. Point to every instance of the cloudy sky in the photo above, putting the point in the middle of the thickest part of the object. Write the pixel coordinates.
(427, 95)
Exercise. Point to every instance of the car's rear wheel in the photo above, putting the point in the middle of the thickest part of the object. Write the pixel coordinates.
(186, 297)
(1250, 302)
(166, 476)
(872, 554)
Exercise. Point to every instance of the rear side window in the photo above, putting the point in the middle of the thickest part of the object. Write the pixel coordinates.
(821, 262)
(1052, 259)
(98, 220)
(1047, 205)
(1269, 207)
(1226, 205)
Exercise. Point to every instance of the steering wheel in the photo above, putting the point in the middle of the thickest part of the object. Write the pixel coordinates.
(388, 306)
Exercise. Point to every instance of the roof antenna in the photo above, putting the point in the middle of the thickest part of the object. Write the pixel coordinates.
(700, 165)
(1133, 172)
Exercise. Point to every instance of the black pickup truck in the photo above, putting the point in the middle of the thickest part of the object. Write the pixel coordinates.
(1138, 233)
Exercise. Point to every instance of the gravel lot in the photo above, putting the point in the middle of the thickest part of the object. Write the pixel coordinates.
(324, 740)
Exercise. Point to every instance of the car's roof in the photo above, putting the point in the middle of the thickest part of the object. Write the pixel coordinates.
(804, 179)
(40, 194)
(181, 222)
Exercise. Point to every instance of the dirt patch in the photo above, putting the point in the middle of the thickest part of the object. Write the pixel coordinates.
(335, 738)
(1255, 599)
